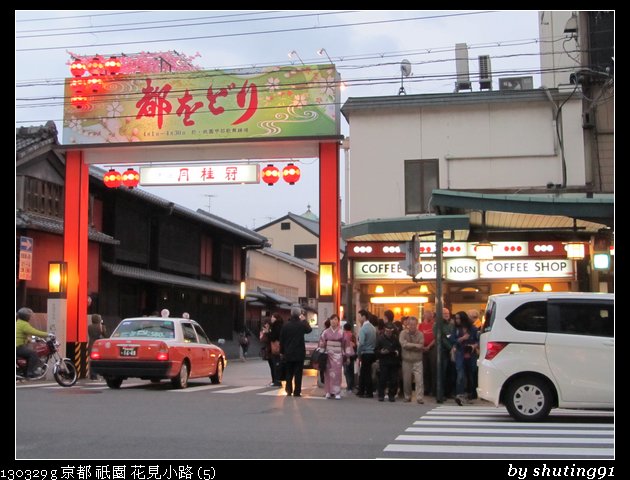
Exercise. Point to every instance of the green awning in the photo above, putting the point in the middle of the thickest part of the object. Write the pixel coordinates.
(597, 210)
(401, 229)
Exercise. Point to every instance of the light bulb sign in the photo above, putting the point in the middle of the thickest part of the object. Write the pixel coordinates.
(211, 174)
(254, 103)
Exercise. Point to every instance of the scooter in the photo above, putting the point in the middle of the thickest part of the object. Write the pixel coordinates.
(64, 370)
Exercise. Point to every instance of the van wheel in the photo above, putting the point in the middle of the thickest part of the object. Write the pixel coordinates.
(528, 399)
(181, 380)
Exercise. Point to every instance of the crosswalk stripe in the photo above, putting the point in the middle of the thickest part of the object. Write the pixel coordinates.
(541, 452)
(240, 389)
(447, 432)
(507, 421)
(503, 440)
(197, 389)
(521, 431)
(34, 385)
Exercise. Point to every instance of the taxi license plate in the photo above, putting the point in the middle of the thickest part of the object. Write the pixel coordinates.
(128, 351)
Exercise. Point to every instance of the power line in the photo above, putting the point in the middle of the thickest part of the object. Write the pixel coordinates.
(147, 23)
(81, 16)
(262, 32)
(220, 22)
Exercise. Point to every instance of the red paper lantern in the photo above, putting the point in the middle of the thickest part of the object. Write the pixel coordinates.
(112, 66)
(94, 85)
(270, 175)
(77, 68)
(112, 179)
(130, 178)
(291, 174)
(79, 102)
(95, 66)
(77, 85)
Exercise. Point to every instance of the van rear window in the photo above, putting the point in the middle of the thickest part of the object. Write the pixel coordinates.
(145, 329)
(529, 317)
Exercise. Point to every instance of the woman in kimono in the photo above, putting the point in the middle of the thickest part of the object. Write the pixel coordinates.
(332, 342)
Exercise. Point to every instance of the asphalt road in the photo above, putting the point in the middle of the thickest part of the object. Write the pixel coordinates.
(242, 418)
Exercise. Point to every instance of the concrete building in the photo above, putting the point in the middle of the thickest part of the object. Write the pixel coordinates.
(523, 169)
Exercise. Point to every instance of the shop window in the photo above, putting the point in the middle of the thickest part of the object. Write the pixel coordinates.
(421, 178)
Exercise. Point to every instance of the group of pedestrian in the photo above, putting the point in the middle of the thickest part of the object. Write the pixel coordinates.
(405, 354)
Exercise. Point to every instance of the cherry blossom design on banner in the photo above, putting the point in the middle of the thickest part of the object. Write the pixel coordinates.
(185, 104)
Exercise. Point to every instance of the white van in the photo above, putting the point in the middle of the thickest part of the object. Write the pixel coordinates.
(543, 350)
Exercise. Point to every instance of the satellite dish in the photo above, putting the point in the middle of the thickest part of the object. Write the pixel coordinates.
(405, 67)
(405, 71)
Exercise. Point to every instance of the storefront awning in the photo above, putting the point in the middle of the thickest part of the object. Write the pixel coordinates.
(274, 297)
(401, 229)
(530, 212)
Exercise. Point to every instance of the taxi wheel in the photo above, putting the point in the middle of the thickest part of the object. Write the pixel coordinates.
(218, 376)
(114, 382)
(181, 380)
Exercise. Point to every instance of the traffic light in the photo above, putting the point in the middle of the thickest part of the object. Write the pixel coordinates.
(411, 263)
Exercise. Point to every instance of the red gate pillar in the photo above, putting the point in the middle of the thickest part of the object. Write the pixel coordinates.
(329, 223)
(75, 245)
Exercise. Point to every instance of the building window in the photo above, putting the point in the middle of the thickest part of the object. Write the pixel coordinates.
(421, 178)
(305, 251)
(43, 197)
(285, 226)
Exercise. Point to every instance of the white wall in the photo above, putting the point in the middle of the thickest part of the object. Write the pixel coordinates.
(284, 240)
(266, 271)
(508, 145)
(552, 54)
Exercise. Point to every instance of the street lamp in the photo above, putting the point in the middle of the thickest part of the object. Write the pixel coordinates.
(56, 302)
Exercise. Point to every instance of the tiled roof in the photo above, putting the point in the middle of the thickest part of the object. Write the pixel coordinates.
(31, 139)
(44, 223)
(162, 278)
(198, 216)
(290, 259)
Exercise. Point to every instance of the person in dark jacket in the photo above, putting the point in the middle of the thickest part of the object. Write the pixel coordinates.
(270, 339)
(388, 353)
(293, 350)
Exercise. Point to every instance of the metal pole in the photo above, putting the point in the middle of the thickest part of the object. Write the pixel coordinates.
(439, 240)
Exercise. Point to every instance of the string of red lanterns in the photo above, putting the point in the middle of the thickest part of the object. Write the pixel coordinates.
(95, 68)
(113, 179)
(271, 174)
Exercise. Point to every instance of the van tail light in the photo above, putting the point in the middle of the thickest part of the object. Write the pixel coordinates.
(163, 352)
(494, 348)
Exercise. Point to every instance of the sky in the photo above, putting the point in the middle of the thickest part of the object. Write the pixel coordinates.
(366, 46)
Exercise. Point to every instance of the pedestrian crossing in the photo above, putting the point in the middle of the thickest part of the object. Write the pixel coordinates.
(488, 432)
(307, 392)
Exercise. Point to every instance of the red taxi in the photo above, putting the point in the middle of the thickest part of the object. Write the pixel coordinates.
(155, 348)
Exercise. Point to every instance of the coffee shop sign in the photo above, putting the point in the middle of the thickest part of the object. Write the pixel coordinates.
(466, 269)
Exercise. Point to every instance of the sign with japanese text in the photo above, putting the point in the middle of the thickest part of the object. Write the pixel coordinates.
(256, 103)
(199, 175)
(25, 271)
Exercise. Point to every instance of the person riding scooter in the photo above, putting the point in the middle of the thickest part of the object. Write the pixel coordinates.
(23, 330)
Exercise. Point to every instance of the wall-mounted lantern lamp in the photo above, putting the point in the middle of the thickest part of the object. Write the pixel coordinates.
(57, 278)
(326, 279)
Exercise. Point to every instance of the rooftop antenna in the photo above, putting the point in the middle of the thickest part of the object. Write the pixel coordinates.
(405, 71)
(209, 200)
